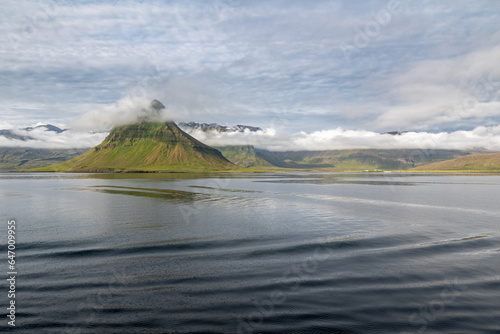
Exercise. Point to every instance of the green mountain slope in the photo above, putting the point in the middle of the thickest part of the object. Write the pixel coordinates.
(357, 159)
(147, 146)
(15, 158)
(474, 162)
(243, 156)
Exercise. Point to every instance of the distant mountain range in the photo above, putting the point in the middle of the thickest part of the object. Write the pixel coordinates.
(334, 160)
(143, 157)
(166, 147)
(15, 158)
(47, 127)
(356, 160)
(191, 126)
(206, 127)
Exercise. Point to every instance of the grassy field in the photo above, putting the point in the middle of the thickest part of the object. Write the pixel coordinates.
(472, 163)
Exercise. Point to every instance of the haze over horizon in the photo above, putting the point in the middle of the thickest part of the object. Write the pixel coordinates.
(322, 75)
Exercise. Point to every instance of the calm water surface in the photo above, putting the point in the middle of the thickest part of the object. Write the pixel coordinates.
(253, 253)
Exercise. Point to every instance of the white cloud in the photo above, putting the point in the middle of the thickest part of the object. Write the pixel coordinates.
(53, 140)
(220, 61)
(336, 139)
(439, 92)
(273, 140)
(126, 111)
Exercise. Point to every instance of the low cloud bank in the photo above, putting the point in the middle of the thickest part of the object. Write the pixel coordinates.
(80, 136)
(41, 138)
(336, 139)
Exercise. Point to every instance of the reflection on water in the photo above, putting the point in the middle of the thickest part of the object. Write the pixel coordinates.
(149, 192)
(255, 253)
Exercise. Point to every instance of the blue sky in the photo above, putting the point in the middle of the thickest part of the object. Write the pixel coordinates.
(290, 66)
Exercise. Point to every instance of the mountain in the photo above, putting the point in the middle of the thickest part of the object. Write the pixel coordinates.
(48, 127)
(337, 160)
(10, 134)
(206, 127)
(395, 133)
(489, 162)
(15, 158)
(149, 147)
(243, 156)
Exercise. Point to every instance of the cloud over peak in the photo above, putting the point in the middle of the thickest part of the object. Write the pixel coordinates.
(125, 111)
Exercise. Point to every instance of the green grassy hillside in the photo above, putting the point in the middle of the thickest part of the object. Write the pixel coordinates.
(15, 158)
(147, 147)
(475, 162)
(357, 159)
(243, 156)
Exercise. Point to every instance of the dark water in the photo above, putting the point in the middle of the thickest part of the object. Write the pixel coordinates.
(265, 253)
